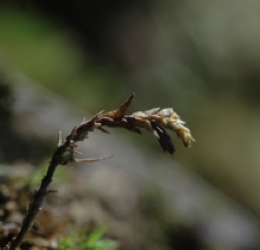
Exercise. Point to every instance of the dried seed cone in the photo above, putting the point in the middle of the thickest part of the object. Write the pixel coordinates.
(168, 119)
(153, 120)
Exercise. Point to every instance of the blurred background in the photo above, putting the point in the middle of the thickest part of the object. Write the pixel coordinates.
(60, 62)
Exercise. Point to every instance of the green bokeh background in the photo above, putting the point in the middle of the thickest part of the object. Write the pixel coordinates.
(200, 57)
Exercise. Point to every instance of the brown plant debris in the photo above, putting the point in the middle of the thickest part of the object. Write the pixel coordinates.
(154, 121)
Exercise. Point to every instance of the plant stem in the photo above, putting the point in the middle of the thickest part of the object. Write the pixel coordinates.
(36, 202)
(152, 120)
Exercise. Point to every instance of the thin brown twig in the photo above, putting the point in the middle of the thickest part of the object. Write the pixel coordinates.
(154, 121)
(35, 204)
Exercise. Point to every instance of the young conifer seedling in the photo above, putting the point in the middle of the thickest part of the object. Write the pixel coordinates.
(154, 121)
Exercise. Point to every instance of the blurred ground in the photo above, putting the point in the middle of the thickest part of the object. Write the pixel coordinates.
(201, 58)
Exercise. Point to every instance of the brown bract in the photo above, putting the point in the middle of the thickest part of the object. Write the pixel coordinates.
(154, 121)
